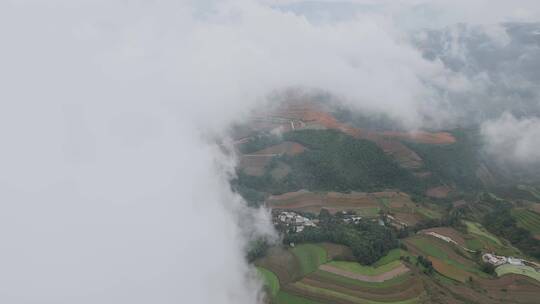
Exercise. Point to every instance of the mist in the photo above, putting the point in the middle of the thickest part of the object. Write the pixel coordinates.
(113, 185)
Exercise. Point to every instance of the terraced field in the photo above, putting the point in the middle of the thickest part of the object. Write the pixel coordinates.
(444, 257)
(271, 281)
(287, 298)
(527, 219)
(478, 230)
(310, 257)
(532, 190)
(522, 270)
(307, 279)
(448, 270)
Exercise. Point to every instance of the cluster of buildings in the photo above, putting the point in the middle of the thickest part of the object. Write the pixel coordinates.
(352, 219)
(395, 222)
(497, 260)
(293, 220)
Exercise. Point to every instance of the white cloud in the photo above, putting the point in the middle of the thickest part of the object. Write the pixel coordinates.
(515, 140)
(111, 188)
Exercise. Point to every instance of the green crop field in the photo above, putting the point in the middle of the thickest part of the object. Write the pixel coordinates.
(477, 229)
(368, 212)
(527, 219)
(270, 280)
(429, 213)
(474, 244)
(310, 257)
(385, 202)
(523, 270)
(393, 255)
(365, 270)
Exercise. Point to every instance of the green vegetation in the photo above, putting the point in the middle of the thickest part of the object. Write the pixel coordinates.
(523, 270)
(527, 219)
(500, 222)
(429, 213)
(310, 257)
(287, 298)
(335, 161)
(368, 241)
(271, 281)
(393, 255)
(368, 212)
(474, 244)
(477, 229)
(365, 270)
(455, 163)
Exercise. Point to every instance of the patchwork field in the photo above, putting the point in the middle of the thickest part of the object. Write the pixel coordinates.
(365, 204)
(255, 163)
(362, 203)
(445, 256)
(318, 279)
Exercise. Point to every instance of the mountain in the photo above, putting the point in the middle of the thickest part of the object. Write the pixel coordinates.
(370, 213)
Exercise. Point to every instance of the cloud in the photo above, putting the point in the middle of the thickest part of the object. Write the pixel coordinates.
(416, 14)
(113, 188)
(513, 140)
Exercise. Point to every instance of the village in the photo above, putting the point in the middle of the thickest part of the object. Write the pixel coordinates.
(292, 221)
(498, 260)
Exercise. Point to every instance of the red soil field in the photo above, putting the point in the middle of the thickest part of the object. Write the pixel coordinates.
(438, 192)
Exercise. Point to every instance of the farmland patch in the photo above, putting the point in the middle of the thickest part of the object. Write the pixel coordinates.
(522, 270)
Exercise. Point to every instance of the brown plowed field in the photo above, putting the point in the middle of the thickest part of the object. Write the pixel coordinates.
(283, 263)
(313, 202)
(407, 291)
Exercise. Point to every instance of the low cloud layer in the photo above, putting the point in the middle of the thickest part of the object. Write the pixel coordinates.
(513, 140)
(112, 188)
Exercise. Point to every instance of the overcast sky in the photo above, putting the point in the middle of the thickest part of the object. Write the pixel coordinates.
(112, 189)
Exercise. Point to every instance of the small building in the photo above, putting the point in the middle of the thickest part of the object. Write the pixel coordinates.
(515, 261)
